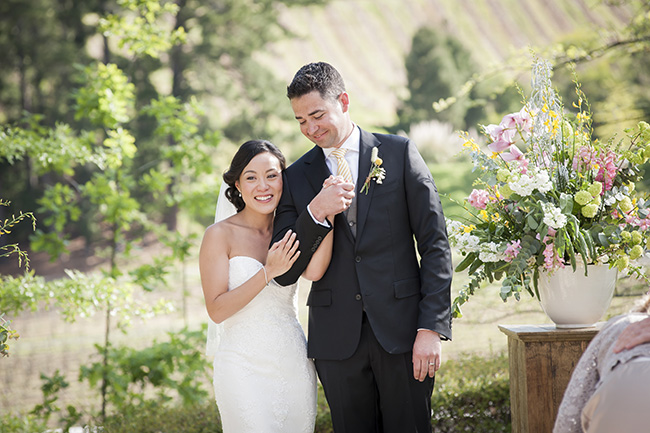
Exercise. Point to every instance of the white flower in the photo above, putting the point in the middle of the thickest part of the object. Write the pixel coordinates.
(490, 253)
(453, 227)
(534, 179)
(553, 216)
(468, 243)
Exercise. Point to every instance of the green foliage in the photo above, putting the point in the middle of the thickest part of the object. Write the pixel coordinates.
(201, 418)
(472, 394)
(51, 388)
(21, 423)
(77, 296)
(6, 226)
(144, 28)
(6, 334)
(153, 377)
(48, 149)
(106, 97)
(437, 66)
(6, 331)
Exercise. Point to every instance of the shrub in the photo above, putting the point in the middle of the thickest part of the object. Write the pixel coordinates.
(154, 418)
(472, 394)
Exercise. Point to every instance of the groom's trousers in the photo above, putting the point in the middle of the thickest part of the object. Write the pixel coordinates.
(374, 391)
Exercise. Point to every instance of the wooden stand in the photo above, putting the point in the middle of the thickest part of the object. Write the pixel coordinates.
(541, 359)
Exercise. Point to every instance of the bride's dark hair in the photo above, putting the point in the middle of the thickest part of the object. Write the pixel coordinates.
(244, 155)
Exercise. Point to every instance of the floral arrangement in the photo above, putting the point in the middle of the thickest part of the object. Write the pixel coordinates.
(377, 172)
(550, 196)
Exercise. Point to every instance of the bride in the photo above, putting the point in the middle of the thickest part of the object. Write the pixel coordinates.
(263, 380)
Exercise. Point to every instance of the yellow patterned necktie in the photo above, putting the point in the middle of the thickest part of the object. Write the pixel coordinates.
(343, 169)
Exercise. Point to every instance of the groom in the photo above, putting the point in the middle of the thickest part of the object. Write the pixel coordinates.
(377, 316)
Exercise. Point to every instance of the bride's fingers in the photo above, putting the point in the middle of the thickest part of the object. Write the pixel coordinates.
(289, 242)
(282, 242)
(293, 251)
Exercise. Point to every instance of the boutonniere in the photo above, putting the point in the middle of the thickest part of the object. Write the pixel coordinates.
(377, 172)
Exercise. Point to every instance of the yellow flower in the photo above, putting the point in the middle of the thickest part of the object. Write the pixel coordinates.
(469, 228)
(484, 215)
(379, 162)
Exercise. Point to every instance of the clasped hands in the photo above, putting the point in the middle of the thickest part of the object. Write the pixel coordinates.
(334, 198)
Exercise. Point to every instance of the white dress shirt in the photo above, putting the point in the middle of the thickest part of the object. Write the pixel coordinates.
(351, 156)
(352, 144)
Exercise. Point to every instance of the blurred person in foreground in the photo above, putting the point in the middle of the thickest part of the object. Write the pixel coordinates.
(378, 314)
(609, 390)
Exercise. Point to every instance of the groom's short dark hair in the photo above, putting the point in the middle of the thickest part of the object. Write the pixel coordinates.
(319, 76)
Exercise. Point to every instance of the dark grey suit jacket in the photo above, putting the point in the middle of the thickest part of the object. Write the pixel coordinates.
(378, 270)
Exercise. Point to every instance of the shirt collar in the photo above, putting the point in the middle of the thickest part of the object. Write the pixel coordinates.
(351, 144)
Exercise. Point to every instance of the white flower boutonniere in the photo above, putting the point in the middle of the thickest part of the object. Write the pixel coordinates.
(377, 172)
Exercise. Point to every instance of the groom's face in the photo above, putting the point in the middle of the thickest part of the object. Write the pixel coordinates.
(325, 122)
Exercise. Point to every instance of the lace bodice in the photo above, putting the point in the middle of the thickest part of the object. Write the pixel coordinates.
(263, 380)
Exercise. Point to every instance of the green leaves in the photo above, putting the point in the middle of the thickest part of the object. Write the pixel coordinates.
(144, 27)
(106, 98)
(173, 367)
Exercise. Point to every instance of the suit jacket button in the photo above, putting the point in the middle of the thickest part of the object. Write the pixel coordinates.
(357, 296)
(358, 259)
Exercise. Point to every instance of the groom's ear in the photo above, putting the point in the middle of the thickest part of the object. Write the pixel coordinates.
(344, 99)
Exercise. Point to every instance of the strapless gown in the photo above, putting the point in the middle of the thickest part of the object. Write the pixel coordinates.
(263, 380)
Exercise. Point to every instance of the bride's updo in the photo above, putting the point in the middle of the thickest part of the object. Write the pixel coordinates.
(244, 155)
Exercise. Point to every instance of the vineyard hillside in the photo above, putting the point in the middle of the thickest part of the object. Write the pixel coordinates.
(367, 40)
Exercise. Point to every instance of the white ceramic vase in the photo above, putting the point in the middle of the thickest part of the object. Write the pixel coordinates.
(572, 300)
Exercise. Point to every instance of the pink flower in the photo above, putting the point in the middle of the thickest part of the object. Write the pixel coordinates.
(526, 120)
(523, 164)
(512, 251)
(514, 155)
(551, 259)
(521, 120)
(494, 131)
(479, 198)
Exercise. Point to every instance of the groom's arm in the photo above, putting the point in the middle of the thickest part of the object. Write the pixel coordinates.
(309, 233)
(428, 223)
(309, 223)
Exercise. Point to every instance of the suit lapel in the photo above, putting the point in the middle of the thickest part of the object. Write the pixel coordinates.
(316, 170)
(366, 143)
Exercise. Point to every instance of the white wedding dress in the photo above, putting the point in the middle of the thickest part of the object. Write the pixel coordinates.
(263, 380)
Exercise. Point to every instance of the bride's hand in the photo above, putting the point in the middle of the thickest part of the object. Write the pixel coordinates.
(282, 255)
(331, 181)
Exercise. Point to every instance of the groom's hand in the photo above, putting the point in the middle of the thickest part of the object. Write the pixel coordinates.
(335, 197)
(427, 354)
